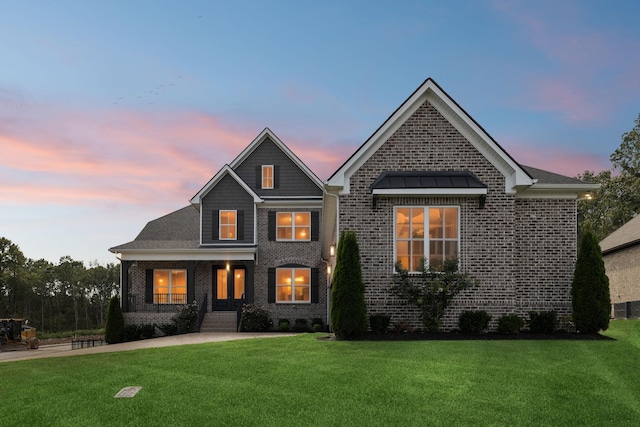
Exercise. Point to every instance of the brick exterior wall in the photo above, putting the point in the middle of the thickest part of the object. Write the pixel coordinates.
(272, 254)
(522, 251)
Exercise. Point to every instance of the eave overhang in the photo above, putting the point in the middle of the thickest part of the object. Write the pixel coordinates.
(197, 254)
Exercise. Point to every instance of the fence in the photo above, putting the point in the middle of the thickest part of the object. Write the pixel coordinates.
(626, 310)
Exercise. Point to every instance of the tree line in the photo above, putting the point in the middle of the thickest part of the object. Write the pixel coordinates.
(55, 297)
(618, 199)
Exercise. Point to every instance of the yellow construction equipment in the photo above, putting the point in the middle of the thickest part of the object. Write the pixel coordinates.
(15, 333)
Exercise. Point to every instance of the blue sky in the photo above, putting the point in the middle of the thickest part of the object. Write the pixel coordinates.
(115, 113)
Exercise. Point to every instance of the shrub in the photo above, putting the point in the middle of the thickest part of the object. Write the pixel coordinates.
(147, 330)
(590, 287)
(283, 325)
(186, 320)
(379, 323)
(254, 319)
(474, 322)
(432, 291)
(168, 328)
(316, 327)
(114, 326)
(317, 321)
(510, 324)
(348, 308)
(131, 333)
(542, 322)
(301, 325)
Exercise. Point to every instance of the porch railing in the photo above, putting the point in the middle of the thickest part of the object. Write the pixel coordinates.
(239, 314)
(202, 312)
(163, 303)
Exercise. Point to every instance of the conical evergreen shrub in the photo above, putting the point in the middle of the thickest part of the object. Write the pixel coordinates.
(590, 287)
(114, 326)
(348, 308)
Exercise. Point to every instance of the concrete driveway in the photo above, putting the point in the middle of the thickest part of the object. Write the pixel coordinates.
(62, 350)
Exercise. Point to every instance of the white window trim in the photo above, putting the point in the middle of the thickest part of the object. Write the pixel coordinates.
(170, 285)
(293, 285)
(273, 178)
(235, 224)
(293, 227)
(426, 228)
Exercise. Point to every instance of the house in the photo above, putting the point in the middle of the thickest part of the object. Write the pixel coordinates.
(621, 255)
(251, 234)
(430, 183)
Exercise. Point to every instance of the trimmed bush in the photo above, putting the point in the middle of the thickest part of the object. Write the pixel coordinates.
(317, 324)
(348, 308)
(147, 330)
(283, 325)
(510, 324)
(168, 328)
(379, 323)
(114, 326)
(186, 320)
(300, 325)
(590, 287)
(254, 319)
(474, 322)
(131, 333)
(543, 322)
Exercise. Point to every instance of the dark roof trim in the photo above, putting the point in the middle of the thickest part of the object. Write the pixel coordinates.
(621, 247)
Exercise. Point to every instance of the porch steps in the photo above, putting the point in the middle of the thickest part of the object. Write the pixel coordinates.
(219, 321)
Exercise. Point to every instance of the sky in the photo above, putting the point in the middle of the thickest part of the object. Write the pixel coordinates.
(115, 113)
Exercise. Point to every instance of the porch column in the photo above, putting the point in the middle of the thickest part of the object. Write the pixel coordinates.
(191, 281)
(124, 285)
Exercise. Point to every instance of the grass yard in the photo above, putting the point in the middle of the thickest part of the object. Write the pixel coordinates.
(302, 381)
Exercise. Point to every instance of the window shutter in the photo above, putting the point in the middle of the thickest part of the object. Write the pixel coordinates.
(271, 285)
(315, 226)
(271, 226)
(240, 225)
(315, 285)
(276, 176)
(148, 288)
(259, 177)
(215, 225)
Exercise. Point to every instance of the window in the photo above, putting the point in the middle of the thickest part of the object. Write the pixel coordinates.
(293, 226)
(169, 286)
(413, 245)
(228, 225)
(267, 177)
(293, 285)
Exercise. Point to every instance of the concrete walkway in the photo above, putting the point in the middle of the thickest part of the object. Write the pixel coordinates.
(62, 350)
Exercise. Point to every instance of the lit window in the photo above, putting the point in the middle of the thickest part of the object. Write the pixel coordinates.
(413, 246)
(293, 226)
(170, 286)
(267, 177)
(228, 225)
(293, 285)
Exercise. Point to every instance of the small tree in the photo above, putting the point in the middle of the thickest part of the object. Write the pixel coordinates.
(348, 308)
(590, 287)
(114, 326)
(432, 291)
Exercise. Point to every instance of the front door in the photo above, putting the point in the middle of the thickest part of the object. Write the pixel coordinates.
(228, 288)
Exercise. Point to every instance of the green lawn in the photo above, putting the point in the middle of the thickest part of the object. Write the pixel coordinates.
(301, 381)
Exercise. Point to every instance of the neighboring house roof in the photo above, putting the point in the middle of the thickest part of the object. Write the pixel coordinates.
(624, 237)
(428, 182)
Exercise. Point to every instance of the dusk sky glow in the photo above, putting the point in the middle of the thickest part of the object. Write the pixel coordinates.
(116, 113)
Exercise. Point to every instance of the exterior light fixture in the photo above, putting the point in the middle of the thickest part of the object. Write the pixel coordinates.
(332, 249)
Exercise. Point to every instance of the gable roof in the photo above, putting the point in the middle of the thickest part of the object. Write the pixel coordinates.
(268, 134)
(516, 176)
(624, 237)
(226, 170)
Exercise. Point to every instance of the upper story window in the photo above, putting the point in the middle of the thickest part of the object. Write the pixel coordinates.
(169, 286)
(413, 244)
(228, 225)
(267, 177)
(293, 226)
